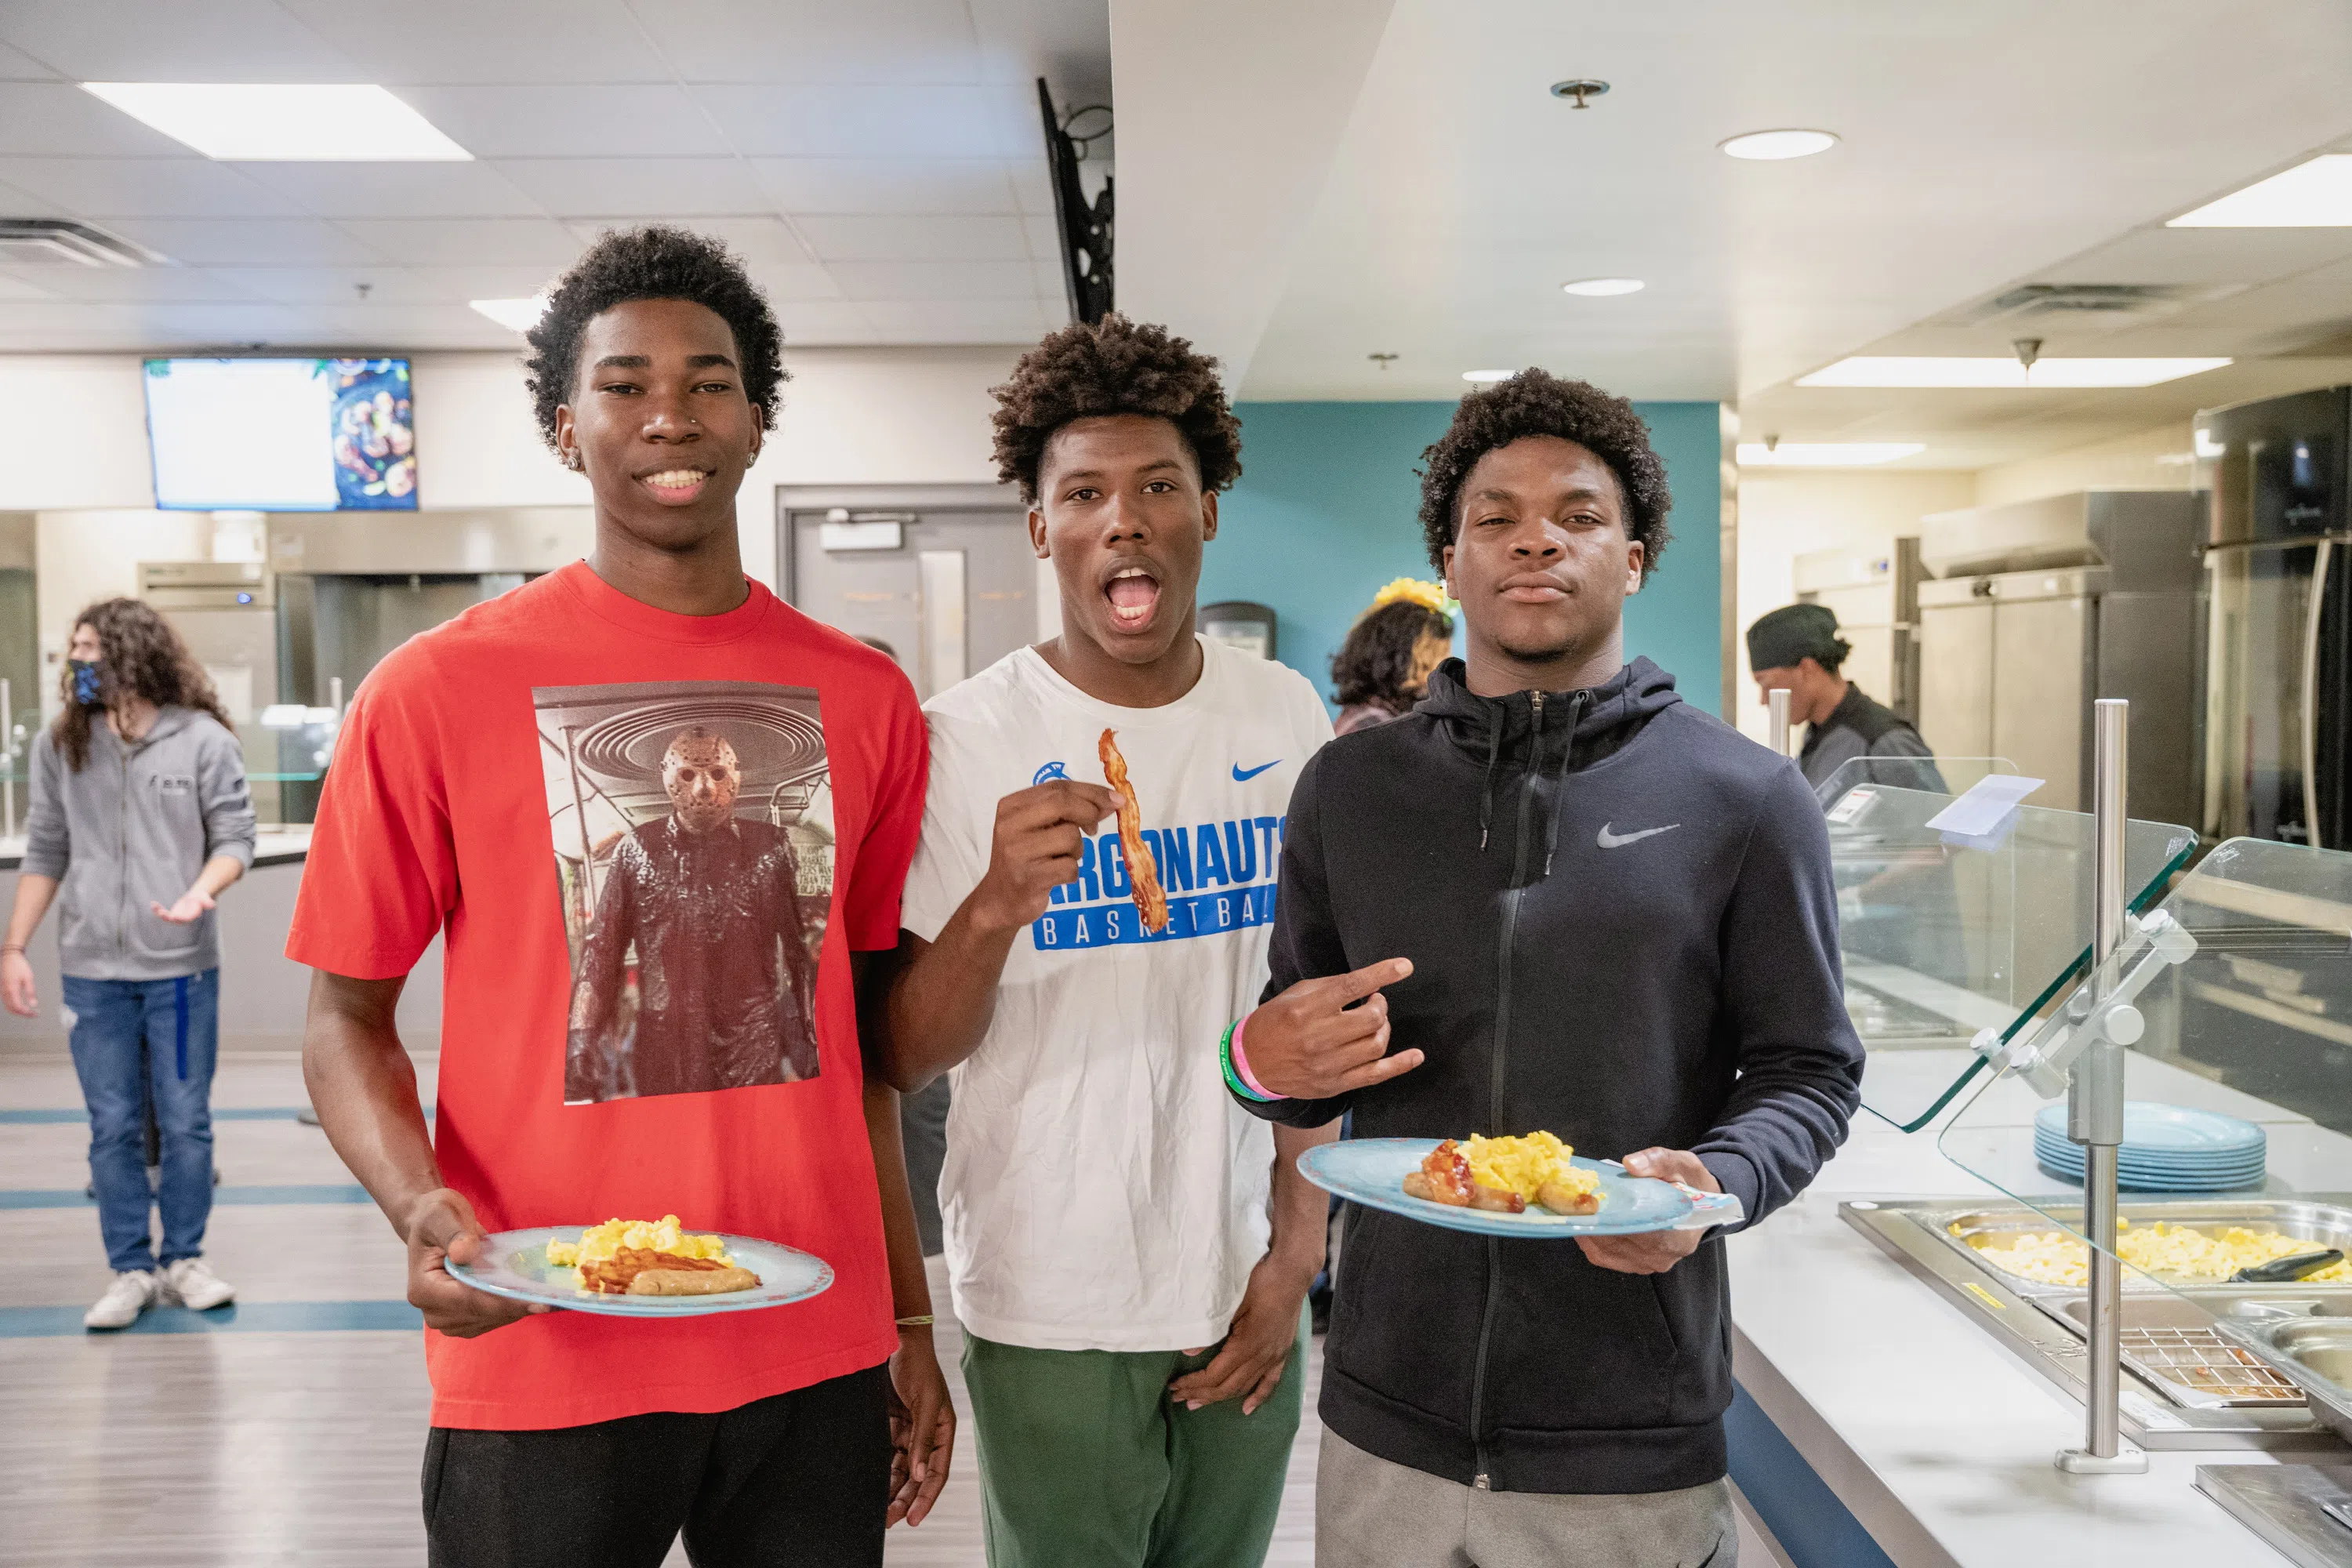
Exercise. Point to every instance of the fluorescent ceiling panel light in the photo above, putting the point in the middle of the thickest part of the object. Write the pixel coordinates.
(2313, 195)
(1824, 453)
(1876, 370)
(1483, 376)
(1774, 145)
(353, 123)
(1601, 288)
(515, 315)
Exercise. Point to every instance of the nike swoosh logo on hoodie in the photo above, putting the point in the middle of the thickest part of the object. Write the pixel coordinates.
(1619, 840)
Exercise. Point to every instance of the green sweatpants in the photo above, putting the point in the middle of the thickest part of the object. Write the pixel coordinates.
(1085, 1462)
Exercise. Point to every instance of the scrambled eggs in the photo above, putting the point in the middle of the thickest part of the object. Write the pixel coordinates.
(1525, 1165)
(2053, 1257)
(601, 1244)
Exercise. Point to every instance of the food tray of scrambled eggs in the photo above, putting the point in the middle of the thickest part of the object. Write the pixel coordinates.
(1499, 1187)
(644, 1268)
(2180, 1255)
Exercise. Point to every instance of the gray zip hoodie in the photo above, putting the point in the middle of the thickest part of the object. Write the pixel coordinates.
(133, 829)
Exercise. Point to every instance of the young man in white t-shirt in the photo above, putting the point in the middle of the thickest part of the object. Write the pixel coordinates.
(1130, 1251)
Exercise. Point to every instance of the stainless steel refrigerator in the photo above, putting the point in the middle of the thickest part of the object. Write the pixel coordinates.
(2278, 684)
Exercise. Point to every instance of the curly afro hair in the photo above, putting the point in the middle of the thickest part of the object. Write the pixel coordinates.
(1537, 403)
(1114, 366)
(652, 263)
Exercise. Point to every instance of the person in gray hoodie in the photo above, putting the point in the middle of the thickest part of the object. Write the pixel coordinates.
(140, 817)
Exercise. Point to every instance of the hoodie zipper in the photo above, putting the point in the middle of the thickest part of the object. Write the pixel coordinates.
(1511, 897)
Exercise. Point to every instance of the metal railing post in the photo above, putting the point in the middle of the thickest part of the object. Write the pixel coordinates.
(1778, 701)
(2094, 1113)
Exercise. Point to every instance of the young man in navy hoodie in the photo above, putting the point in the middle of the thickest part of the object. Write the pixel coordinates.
(1565, 900)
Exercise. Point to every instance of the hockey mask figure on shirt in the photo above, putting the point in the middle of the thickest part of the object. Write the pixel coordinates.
(702, 777)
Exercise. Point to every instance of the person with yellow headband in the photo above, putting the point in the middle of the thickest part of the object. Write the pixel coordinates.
(1384, 668)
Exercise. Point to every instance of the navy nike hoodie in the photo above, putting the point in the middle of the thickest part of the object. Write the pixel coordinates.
(1623, 930)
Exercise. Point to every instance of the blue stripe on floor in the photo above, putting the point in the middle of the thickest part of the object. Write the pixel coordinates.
(248, 1318)
(74, 1198)
(1814, 1526)
(220, 1113)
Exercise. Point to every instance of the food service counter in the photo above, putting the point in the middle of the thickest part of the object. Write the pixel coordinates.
(1936, 1439)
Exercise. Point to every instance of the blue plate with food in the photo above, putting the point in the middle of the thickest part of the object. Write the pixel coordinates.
(1529, 1186)
(644, 1268)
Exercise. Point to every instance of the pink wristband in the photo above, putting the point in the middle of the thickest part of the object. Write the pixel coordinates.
(1241, 1065)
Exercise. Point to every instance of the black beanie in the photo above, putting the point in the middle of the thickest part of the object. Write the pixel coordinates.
(1793, 632)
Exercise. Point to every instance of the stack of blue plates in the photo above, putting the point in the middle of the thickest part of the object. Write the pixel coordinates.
(2166, 1149)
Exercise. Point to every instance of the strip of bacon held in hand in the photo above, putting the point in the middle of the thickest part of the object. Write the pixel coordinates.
(1445, 1178)
(1143, 870)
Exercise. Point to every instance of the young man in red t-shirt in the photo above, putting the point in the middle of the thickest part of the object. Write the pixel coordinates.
(662, 820)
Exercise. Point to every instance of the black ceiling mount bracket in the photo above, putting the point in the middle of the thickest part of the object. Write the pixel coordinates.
(1085, 227)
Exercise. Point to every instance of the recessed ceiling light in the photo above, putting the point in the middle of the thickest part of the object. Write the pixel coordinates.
(2317, 194)
(351, 122)
(516, 315)
(1599, 288)
(1873, 370)
(1824, 453)
(1778, 145)
(1483, 376)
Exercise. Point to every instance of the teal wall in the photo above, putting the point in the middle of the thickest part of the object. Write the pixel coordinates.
(1325, 513)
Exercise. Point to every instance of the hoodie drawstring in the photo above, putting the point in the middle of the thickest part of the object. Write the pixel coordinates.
(1486, 791)
(1568, 757)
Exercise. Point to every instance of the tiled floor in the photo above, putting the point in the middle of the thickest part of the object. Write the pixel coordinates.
(265, 1443)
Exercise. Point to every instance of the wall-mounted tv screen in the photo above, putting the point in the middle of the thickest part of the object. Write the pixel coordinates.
(282, 434)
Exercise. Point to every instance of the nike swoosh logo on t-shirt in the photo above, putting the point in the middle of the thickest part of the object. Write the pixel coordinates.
(1619, 840)
(1242, 776)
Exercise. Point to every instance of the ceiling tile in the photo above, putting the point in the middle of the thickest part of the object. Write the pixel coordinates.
(571, 122)
(811, 322)
(887, 184)
(172, 40)
(669, 187)
(959, 321)
(165, 324)
(923, 41)
(943, 238)
(849, 120)
(15, 288)
(1033, 185)
(543, 41)
(752, 238)
(448, 241)
(795, 280)
(16, 66)
(387, 285)
(1045, 234)
(2195, 256)
(143, 285)
(936, 279)
(246, 242)
(396, 190)
(54, 118)
(403, 328)
(460, 283)
(144, 187)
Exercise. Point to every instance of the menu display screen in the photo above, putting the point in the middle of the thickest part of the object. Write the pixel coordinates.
(282, 434)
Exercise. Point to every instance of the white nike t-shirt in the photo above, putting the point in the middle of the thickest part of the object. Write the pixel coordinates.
(1102, 1191)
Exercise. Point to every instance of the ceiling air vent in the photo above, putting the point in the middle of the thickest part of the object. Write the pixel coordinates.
(2088, 306)
(54, 241)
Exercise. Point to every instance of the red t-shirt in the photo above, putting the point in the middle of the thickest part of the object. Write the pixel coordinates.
(652, 840)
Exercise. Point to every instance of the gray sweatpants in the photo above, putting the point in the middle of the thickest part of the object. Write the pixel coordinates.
(1370, 1513)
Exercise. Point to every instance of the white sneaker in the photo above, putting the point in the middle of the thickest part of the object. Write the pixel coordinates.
(133, 1292)
(193, 1285)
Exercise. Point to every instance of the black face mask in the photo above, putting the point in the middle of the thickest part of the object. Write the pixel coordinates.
(88, 684)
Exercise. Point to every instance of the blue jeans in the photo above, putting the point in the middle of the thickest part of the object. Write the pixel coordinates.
(178, 1020)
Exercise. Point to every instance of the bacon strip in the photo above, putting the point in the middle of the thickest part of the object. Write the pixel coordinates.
(1143, 870)
(614, 1276)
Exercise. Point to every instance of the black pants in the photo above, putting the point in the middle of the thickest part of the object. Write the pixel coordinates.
(798, 1480)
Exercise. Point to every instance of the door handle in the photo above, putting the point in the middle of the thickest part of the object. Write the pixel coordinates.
(2313, 613)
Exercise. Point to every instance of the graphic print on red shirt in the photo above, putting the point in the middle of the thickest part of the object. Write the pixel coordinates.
(693, 829)
(441, 816)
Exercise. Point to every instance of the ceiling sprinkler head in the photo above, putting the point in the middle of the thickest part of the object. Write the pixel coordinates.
(1582, 88)
(1772, 442)
(1381, 360)
(2028, 350)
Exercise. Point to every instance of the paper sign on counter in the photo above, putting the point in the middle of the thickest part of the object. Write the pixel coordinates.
(1982, 818)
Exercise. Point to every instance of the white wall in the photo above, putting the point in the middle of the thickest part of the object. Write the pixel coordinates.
(2154, 460)
(73, 447)
(1788, 512)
